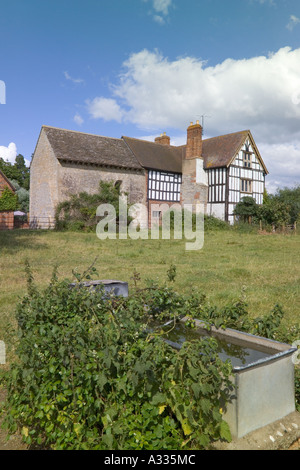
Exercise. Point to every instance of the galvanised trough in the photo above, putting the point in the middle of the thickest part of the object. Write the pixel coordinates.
(263, 376)
(110, 286)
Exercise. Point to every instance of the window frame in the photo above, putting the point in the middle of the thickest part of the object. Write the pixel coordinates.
(164, 186)
(247, 159)
(244, 184)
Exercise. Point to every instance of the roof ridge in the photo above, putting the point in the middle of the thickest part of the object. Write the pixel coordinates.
(80, 132)
(149, 142)
(231, 133)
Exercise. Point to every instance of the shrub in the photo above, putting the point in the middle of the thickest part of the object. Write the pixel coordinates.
(8, 200)
(246, 209)
(92, 373)
(79, 211)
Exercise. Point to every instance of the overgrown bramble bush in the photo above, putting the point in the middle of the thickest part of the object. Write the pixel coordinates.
(8, 200)
(79, 212)
(92, 374)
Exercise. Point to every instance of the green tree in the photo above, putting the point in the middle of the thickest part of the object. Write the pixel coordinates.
(17, 171)
(24, 171)
(246, 209)
(274, 212)
(23, 196)
(291, 198)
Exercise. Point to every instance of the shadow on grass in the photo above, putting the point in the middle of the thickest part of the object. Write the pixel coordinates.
(18, 239)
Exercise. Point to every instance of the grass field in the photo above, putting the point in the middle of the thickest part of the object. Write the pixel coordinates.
(265, 267)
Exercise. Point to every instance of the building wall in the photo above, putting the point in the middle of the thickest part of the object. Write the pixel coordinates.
(52, 182)
(74, 178)
(194, 187)
(222, 190)
(238, 172)
(43, 185)
(216, 210)
(6, 220)
(6, 217)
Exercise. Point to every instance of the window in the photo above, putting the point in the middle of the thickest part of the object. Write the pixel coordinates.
(163, 186)
(246, 186)
(247, 160)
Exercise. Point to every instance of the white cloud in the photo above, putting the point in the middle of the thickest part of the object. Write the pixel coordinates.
(283, 163)
(105, 108)
(8, 154)
(270, 2)
(251, 92)
(293, 22)
(159, 19)
(74, 80)
(160, 10)
(260, 93)
(78, 119)
(162, 6)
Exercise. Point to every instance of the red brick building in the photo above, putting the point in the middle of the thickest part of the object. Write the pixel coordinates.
(6, 217)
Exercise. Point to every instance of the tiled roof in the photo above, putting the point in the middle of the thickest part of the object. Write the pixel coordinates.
(90, 149)
(219, 151)
(136, 154)
(5, 183)
(152, 155)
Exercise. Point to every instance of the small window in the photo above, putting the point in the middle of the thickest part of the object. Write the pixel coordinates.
(247, 160)
(246, 186)
(156, 214)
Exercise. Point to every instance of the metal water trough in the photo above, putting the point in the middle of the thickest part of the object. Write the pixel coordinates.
(111, 286)
(264, 390)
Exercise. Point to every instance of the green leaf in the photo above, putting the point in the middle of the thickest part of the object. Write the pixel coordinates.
(225, 431)
(158, 399)
(205, 405)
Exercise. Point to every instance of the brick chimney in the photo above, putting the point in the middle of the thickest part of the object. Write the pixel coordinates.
(163, 139)
(194, 141)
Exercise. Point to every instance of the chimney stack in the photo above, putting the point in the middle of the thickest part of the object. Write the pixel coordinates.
(194, 141)
(163, 139)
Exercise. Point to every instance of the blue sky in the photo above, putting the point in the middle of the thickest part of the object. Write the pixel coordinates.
(142, 67)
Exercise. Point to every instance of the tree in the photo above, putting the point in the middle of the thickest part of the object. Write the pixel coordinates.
(17, 171)
(246, 209)
(23, 171)
(290, 197)
(274, 212)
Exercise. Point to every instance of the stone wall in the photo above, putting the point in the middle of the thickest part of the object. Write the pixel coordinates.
(43, 185)
(73, 179)
(52, 182)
